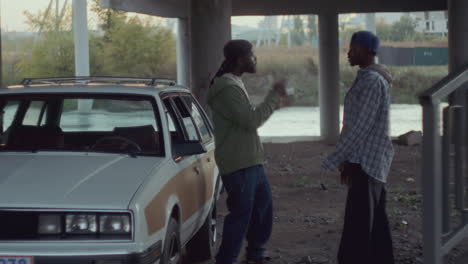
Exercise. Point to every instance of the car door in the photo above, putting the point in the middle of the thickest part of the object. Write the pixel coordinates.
(207, 160)
(191, 185)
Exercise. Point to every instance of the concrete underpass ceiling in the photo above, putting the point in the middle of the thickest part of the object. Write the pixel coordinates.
(180, 8)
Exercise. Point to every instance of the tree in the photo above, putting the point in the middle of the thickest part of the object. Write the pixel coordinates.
(53, 52)
(297, 34)
(127, 45)
(12, 52)
(108, 18)
(132, 46)
(384, 31)
(404, 29)
(42, 21)
(53, 55)
(312, 26)
(138, 48)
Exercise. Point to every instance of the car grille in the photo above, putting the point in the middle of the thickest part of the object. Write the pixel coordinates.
(18, 225)
(23, 226)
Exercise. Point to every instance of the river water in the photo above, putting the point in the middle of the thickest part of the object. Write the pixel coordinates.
(305, 121)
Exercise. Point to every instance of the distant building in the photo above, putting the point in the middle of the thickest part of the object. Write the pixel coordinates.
(359, 20)
(432, 22)
(266, 34)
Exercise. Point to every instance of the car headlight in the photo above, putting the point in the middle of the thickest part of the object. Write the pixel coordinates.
(80, 223)
(114, 224)
(89, 225)
(50, 224)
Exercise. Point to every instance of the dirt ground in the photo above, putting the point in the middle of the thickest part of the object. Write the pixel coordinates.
(308, 220)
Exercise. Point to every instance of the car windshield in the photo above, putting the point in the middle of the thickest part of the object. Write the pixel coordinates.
(91, 123)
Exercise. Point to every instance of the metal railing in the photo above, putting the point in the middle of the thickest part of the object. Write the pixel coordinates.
(100, 79)
(444, 188)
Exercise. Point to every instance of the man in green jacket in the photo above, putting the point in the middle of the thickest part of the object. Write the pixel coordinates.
(240, 156)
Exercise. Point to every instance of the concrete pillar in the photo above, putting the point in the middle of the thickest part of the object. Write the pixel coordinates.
(329, 91)
(80, 28)
(370, 23)
(57, 14)
(458, 34)
(210, 29)
(1, 57)
(183, 52)
(458, 42)
(372, 27)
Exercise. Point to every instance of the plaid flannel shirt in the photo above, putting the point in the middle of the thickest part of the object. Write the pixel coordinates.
(365, 136)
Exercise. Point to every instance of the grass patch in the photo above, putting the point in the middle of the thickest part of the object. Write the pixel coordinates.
(300, 65)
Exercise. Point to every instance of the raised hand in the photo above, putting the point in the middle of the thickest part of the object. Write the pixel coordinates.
(280, 87)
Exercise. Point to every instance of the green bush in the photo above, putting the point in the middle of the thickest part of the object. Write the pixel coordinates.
(410, 81)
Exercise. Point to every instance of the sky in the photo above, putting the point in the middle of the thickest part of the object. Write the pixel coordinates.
(12, 18)
(12, 13)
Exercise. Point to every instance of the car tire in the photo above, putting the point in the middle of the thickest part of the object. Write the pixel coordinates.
(172, 253)
(203, 245)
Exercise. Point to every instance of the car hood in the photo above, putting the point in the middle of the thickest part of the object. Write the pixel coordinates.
(71, 180)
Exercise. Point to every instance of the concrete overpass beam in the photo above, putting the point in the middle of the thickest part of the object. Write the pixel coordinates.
(329, 91)
(210, 29)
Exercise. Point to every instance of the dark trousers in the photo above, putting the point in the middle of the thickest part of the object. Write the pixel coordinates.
(366, 237)
(250, 214)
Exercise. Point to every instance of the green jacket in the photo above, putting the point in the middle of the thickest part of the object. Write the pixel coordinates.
(235, 123)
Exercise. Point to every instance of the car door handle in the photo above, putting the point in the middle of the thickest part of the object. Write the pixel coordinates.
(197, 170)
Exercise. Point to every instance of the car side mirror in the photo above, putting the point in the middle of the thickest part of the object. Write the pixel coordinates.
(188, 148)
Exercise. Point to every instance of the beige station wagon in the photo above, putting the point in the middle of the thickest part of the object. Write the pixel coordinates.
(105, 170)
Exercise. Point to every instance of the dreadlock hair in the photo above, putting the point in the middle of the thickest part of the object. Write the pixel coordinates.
(233, 50)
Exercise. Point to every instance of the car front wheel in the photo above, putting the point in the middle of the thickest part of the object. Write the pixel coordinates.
(172, 253)
(203, 245)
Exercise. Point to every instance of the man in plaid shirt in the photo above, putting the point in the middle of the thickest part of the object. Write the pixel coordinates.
(364, 154)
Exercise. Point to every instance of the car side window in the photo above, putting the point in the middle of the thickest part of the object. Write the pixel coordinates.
(35, 114)
(200, 122)
(187, 121)
(172, 122)
(8, 114)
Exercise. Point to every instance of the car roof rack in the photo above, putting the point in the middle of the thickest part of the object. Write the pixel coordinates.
(100, 79)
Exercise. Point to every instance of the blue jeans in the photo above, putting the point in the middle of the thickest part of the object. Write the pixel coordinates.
(250, 214)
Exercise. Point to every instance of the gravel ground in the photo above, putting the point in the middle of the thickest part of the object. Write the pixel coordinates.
(308, 220)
